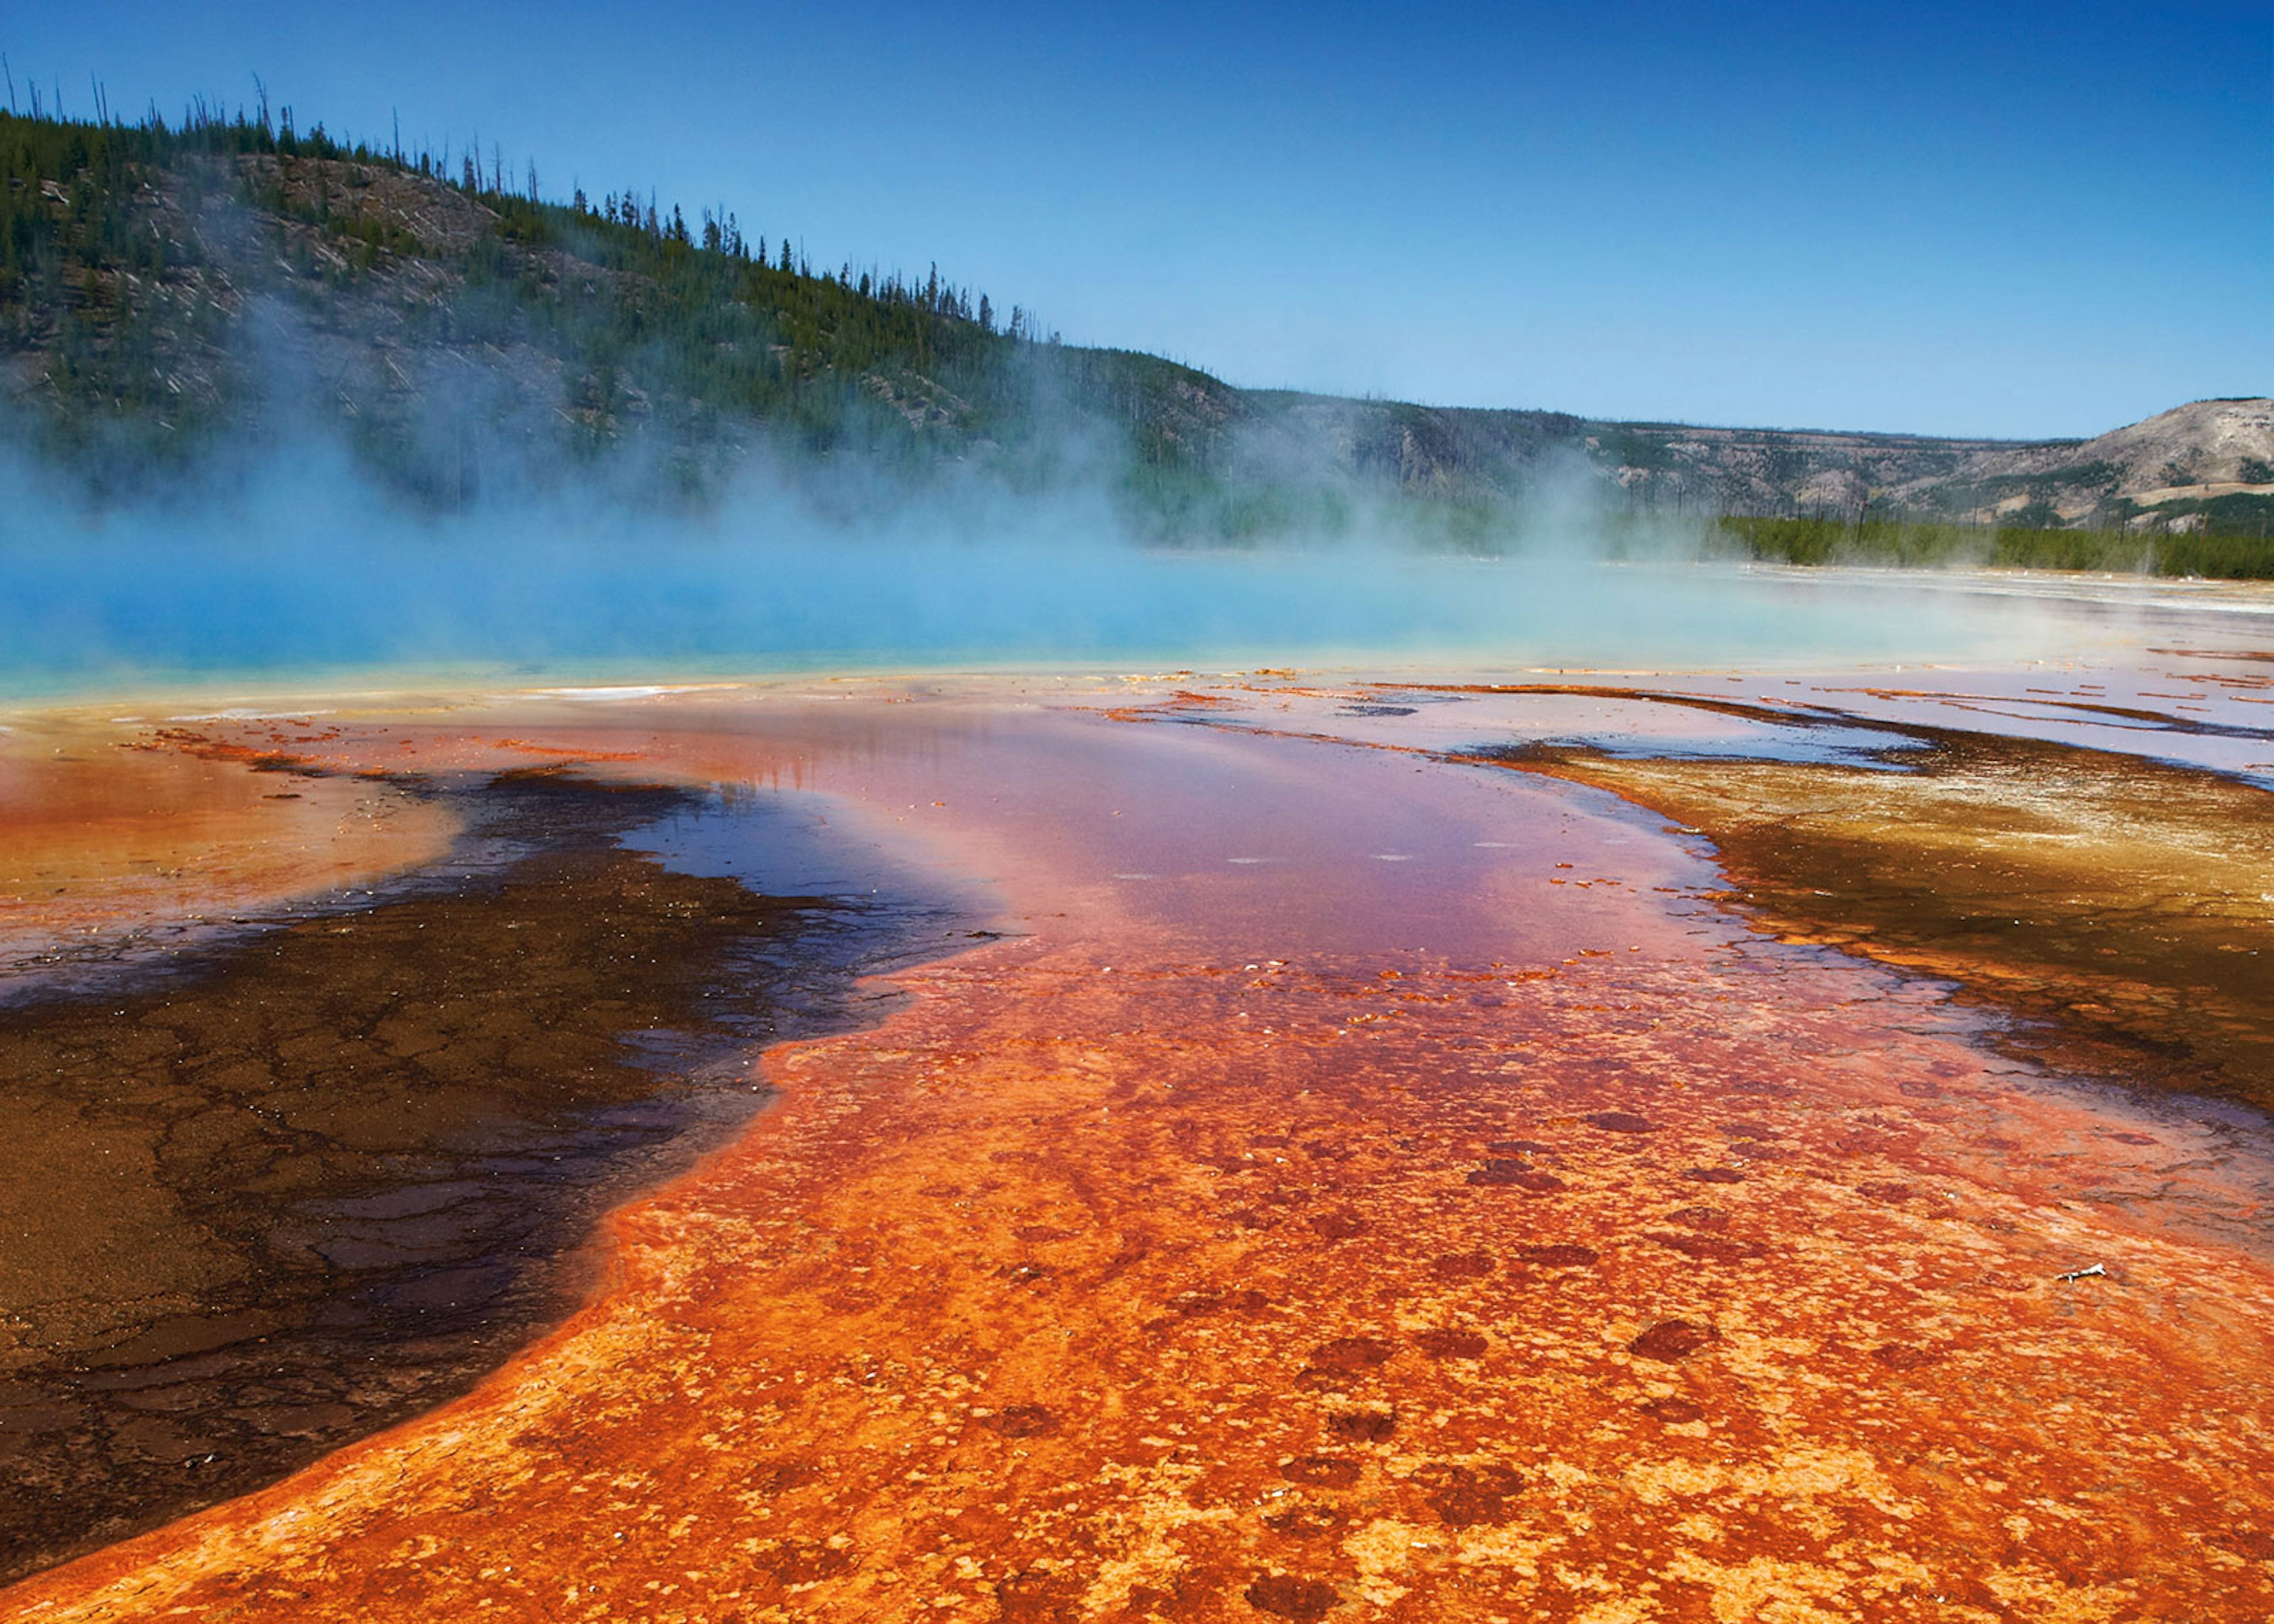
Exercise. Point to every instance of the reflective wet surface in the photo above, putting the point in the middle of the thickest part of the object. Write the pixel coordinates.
(2120, 906)
(1356, 1179)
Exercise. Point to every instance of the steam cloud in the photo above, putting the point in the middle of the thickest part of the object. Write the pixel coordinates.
(301, 563)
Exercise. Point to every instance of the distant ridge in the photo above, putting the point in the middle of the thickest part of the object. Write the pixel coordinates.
(2181, 459)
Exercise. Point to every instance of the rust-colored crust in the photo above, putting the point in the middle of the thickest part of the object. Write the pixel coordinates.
(1118, 1276)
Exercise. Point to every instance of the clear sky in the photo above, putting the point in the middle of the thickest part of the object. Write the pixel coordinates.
(2024, 219)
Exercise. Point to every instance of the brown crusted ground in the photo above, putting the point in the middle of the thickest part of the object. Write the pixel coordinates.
(1121, 1276)
(315, 1177)
(2121, 902)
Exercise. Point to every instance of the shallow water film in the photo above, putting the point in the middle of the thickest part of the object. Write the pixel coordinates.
(1311, 1144)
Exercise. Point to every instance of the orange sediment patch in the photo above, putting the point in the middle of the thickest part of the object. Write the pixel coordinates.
(98, 836)
(1319, 1213)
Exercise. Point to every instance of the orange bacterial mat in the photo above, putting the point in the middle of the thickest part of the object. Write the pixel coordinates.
(1359, 1184)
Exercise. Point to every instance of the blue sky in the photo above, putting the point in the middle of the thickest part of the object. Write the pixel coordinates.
(2008, 219)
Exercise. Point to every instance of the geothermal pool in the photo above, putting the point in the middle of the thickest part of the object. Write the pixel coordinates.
(1201, 1143)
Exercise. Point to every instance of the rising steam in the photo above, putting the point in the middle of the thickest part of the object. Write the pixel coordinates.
(300, 563)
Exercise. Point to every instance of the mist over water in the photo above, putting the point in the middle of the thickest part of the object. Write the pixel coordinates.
(307, 567)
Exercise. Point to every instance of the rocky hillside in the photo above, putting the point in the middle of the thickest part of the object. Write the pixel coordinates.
(2203, 464)
(175, 302)
(2181, 469)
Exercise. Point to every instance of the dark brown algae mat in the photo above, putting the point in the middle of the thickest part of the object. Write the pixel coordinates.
(280, 1190)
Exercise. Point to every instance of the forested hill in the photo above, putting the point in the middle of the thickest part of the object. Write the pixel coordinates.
(181, 299)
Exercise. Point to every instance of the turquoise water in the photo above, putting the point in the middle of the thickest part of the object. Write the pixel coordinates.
(115, 612)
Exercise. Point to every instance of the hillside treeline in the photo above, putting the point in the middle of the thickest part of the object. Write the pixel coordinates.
(184, 299)
(171, 291)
